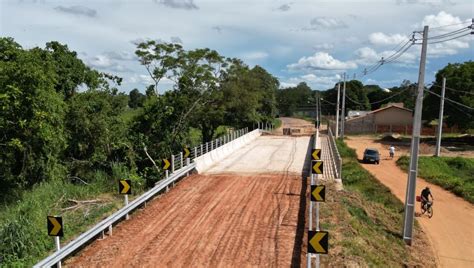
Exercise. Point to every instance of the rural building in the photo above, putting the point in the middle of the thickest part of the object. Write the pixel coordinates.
(391, 118)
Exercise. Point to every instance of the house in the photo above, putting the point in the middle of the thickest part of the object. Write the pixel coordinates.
(391, 118)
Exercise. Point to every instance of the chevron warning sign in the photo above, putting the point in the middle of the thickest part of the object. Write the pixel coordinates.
(318, 242)
(186, 152)
(317, 167)
(55, 226)
(165, 164)
(125, 187)
(318, 193)
(316, 154)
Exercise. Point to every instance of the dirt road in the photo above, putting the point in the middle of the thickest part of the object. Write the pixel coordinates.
(249, 210)
(451, 230)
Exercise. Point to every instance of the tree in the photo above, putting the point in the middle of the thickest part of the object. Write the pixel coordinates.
(290, 98)
(136, 99)
(460, 88)
(31, 116)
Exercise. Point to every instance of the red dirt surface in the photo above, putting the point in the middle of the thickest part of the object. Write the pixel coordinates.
(209, 221)
(451, 230)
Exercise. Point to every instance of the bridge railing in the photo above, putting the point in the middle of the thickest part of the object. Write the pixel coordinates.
(335, 155)
(180, 167)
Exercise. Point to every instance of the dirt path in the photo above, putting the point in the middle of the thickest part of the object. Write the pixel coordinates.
(246, 211)
(451, 230)
(209, 221)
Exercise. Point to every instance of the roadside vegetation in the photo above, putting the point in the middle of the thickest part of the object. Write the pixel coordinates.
(365, 222)
(69, 135)
(455, 174)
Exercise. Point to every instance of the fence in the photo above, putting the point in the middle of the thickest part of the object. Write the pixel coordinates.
(335, 155)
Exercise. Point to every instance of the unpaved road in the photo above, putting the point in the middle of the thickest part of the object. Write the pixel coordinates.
(267, 154)
(451, 230)
(237, 216)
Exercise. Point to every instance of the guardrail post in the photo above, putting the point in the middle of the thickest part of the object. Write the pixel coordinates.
(58, 248)
(195, 152)
(187, 164)
(181, 158)
(126, 203)
(202, 151)
(212, 145)
(110, 230)
(207, 147)
(172, 163)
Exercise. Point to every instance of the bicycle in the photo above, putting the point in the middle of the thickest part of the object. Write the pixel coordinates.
(427, 208)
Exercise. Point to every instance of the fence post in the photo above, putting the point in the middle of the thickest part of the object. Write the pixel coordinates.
(195, 152)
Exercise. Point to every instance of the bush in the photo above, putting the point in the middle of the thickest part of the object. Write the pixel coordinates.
(455, 174)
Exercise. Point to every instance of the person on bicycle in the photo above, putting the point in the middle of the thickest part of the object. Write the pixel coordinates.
(391, 151)
(425, 194)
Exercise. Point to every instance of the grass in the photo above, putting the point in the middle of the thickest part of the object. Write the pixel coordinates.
(23, 235)
(366, 222)
(455, 174)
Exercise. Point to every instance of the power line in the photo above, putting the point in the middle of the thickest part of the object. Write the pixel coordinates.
(450, 33)
(455, 102)
(444, 26)
(328, 101)
(455, 90)
(379, 101)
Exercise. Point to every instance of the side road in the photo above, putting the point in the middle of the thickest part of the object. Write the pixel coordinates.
(450, 230)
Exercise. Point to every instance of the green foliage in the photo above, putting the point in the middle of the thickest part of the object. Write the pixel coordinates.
(23, 237)
(31, 117)
(460, 77)
(455, 174)
(290, 98)
(369, 217)
(136, 99)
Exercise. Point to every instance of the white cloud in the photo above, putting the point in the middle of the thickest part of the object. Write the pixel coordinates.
(284, 7)
(254, 55)
(77, 10)
(436, 24)
(323, 46)
(384, 39)
(316, 81)
(321, 23)
(321, 61)
(285, 85)
(181, 4)
(368, 56)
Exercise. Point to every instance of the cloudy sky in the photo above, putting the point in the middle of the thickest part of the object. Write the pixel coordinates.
(311, 40)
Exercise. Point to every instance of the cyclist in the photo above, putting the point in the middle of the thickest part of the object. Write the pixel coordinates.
(392, 151)
(425, 194)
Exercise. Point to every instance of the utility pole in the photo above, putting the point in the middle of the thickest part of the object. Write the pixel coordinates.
(415, 142)
(440, 120)
(337, 108)
(343, 112)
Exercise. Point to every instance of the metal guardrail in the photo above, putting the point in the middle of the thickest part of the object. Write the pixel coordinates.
(335, 155)
(180, 166)
(108, 222)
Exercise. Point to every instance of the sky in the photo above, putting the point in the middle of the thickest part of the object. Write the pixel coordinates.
(308, 41)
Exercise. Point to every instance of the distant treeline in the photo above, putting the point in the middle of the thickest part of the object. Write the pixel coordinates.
(460, 88)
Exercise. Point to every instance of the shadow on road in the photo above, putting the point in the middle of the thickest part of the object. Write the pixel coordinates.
(300, 227)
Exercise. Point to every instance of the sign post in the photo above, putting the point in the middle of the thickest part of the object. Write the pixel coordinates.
(55, 228)
(125, 188)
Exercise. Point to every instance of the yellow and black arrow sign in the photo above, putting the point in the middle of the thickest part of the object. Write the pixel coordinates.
(186, 152)
(165, 164)
(316, 154)
(318, 242)
(317, 167)
(55, 226)
(125, 187)
(318, 193)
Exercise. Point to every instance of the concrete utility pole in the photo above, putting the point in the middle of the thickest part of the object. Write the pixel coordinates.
(343, 112)
(337, 108)
(415, 142)
(440, 120)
